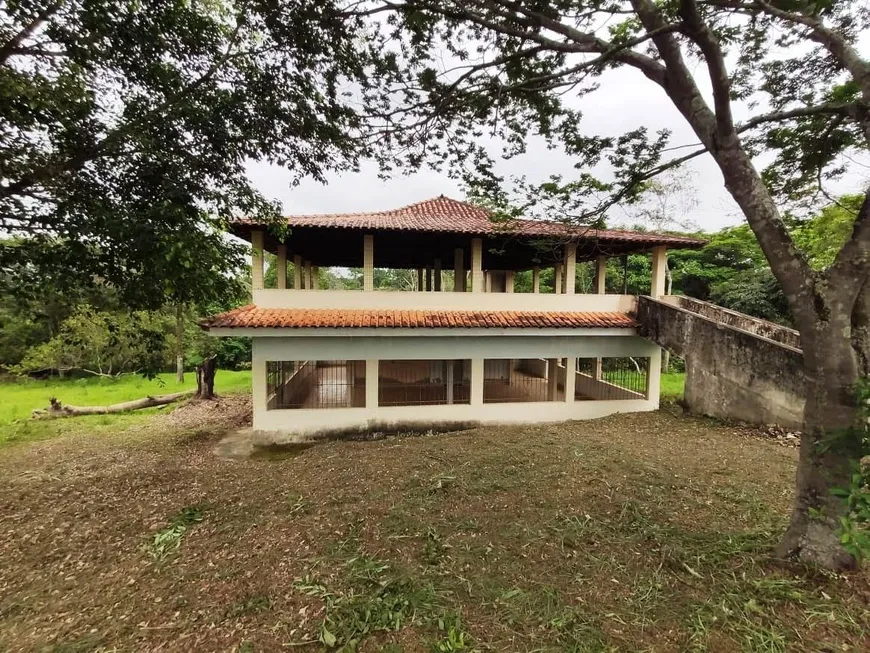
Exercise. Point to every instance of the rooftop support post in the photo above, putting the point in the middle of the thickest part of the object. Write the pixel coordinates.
(557, 278)
(307, 275)
(297, 272)
(509, 281)
(570, 267)
(458, 270)
(257, 260)
(601, 275)
(659, 271)
(419, 279)
(536, 279)
(368, 263)
(428, 279)
(487, 281)
(477, 265)
(436, 282)
(282, 266)
(315, 277)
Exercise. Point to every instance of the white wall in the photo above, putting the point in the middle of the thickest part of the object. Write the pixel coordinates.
(422, 301)
(281, 424)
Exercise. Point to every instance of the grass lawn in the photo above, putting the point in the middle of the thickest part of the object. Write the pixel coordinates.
(18, 398)
(673, 386)
(638, 532)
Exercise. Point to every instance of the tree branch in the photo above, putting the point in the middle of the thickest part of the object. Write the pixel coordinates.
(8, 48)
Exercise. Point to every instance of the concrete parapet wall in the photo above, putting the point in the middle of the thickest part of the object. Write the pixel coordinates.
(731, 372)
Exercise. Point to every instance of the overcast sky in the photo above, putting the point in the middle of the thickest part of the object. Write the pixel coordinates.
(624, 101)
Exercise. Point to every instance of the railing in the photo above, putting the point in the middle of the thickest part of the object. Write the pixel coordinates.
(421, 301)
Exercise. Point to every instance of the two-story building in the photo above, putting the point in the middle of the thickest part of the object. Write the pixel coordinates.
(331, 361)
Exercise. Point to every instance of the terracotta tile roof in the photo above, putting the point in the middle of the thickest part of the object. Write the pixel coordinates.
(296, 318)
(445, 215)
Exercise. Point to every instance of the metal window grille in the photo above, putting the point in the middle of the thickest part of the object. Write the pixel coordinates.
(423, 382)
(523, 380)
(612, 379)
(315, 384)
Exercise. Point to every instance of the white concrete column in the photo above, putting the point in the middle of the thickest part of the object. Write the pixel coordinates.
(282, 266)
(315, 277)
(509, 281)
(477, 265)
(557, 278)
(458, 270)
(570, 379)
(601, 275)
(552, 379)
(536, 279)
(257, 259)
(487, 281)
(654, 380)
(436, 271)
(570, 267)
(307, 275)
(258, 380)
(368, 263)
(428, 279)
(659, 265)
(476, 382)
(297, 272)
(371, 383)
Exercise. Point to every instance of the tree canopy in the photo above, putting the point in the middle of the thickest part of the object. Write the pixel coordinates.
(125, 129)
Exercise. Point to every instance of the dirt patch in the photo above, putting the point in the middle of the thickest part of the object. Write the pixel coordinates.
(225, 411)
(634, 532)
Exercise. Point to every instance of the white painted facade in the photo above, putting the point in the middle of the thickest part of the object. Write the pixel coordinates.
(551, 349)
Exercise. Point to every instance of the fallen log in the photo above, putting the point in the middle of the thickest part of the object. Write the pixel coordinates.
(56, 409)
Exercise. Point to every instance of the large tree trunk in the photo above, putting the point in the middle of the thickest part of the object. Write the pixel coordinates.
(829, 445)
(205, 378)
(179, 342)
(57, 409)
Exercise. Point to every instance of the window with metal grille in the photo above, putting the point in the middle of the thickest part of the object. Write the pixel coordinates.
(423, 382)
(520, 380)
(315, 384)
(612, 378)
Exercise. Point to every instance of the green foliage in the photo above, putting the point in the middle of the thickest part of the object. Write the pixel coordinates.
(168, 540)
(127, 128)
(100, 343)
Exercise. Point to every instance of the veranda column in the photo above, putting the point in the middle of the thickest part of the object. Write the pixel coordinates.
(257, 260)
(428, 279)
(282, 266)
(552, 379)
(436, 283)
(368, 263)
(570, 267)
(297, 272)
(476, 265)
(307, 275)
(315, 277)
(371, 383)
(601, 275)
(659, 271)
(600, 288)
(458, 270)
(557, 278)
(487, 281)
(509, 281)
(570, 379)
(536, 279)
(476, 380)
(420, 279)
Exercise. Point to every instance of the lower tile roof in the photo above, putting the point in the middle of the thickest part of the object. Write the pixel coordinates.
(251, 316)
